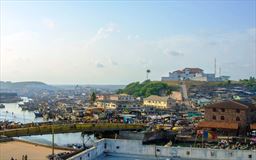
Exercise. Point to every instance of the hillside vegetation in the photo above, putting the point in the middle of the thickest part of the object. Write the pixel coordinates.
(148, 88)
(24, 85)
(249, 83)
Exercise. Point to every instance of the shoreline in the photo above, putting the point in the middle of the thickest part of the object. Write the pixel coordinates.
(17, 148)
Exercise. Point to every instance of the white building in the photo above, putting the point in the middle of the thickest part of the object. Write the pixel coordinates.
(195, 74)
(185, 74)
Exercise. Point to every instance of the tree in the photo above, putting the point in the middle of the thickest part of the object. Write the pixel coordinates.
(148, 71)
(147, 88)
(93, 98)
(249, 83)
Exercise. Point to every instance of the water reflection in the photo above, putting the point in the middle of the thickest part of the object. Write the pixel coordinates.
(12, 112)
(62, 139)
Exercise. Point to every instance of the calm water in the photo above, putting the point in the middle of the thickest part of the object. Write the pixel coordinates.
(60, 139)
(13, 112)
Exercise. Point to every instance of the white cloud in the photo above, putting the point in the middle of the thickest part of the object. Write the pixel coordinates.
(172, 53)
(100, 65)
(112, 62)
(132, 37)
(48, 23)
(104, 32)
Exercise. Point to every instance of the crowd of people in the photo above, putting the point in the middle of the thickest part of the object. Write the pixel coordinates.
(24, 157)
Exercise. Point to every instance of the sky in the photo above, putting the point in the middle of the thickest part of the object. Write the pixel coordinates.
(114, 42)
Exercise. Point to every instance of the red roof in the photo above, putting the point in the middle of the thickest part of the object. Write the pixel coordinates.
(253, 126)
(219, 125)
(228, 104)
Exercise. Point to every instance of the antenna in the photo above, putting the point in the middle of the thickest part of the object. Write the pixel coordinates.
(215, 66)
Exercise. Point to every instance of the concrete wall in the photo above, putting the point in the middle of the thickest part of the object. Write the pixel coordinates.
(133, 148)
(92, 153)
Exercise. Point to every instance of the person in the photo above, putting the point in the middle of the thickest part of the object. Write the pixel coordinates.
(26, 157)
(12, 158)
(23, 157)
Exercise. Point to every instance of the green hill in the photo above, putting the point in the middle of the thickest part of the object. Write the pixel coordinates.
(148, 88)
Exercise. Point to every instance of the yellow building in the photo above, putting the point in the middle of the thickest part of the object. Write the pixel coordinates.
(157, 102)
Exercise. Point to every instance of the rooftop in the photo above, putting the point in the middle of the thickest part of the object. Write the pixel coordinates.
(229, 104)
(253, 126)
(156, 98)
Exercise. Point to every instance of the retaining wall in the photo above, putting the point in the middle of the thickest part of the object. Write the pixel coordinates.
(92, 153)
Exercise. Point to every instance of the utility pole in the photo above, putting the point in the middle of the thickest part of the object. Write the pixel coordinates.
(215, 66)
(53, 139)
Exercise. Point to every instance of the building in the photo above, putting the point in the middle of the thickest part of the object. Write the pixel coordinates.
(185, 74)
(115, 97)
(157, 102)
(177, 96)
(230, 115)
(113, 101)
(122, 97)
(195, 74)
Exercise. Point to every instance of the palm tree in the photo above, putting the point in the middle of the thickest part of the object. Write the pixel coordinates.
(148, 71)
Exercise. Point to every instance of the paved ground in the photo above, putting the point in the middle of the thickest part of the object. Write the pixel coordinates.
(16, 149)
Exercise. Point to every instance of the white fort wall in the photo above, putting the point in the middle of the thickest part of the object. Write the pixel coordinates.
(134, 148)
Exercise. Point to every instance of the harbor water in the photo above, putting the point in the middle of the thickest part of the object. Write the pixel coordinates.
(12, 112)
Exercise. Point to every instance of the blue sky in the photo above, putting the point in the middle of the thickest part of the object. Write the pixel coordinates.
(64, 42)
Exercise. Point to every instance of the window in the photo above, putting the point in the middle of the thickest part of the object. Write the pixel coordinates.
(117, 147)
(249, 156)
(222, 110)
(237, 119)
(222, 118)
(214, 109)
(237, 110)
(213, 153)
(188, 153)
(214, 117)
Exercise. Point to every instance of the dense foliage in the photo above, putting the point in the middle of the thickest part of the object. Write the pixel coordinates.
(250, 83)
(93, 97)
(147, 88)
